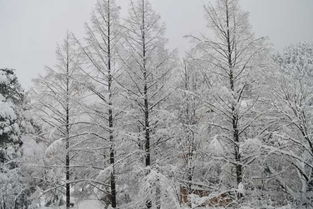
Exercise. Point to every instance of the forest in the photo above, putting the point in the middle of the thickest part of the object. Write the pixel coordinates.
(123, 122)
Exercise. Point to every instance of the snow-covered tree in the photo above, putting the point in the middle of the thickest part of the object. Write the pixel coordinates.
(56, 97)
(100, 51)
(232, 58)
(12, 187)
(189, 116)
(11, 96)
(117, 119)
(148, 65)
(292, 101)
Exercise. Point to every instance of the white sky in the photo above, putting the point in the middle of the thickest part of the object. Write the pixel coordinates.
(30, 29)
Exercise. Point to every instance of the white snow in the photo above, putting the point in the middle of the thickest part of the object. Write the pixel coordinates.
(105, 174)
(241, 188)
(55, 147)
(6, 110)
(216, 146)
(3, 78)
(31, 149)
(85, 204)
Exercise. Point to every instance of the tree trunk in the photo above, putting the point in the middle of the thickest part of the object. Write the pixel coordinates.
(146, 100)
(112, 160)
(111, 125)
(233, 108)
(158, 194)
(67, 157)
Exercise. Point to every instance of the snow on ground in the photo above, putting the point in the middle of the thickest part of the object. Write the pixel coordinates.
(246, 207)
(90, 204)
(85, 204)
(95, 204)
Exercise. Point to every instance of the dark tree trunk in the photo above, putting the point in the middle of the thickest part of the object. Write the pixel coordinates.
(68, 188)
(111, 124)
(235, 117)
(67, 157)
(146, 98)
(190, 185)
(147, 132)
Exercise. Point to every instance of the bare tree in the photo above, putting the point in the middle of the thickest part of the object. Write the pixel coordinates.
(148, 65)
(232, 58)
(102, 70)
(292, 102)
(188, 117)
(56, 96)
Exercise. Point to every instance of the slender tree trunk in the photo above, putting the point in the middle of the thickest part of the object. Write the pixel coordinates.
(190, 178)
(112, 161)
(190, 168)
(158, 194)
(68, 188)
(233, 108)
(190, 139)
(3, 205)
(146, 99)
(111, 124)
(147, 130)
(67, 160)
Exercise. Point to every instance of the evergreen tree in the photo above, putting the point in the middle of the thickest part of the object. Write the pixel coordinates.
(12, 189)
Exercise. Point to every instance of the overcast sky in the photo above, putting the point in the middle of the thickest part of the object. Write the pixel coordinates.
(30, 29)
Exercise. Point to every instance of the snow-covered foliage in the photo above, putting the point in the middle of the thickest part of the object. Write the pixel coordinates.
(233, 63)
(120, 122)
(11, 97)
(15, 186)
(56, 98)
(292, 140)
